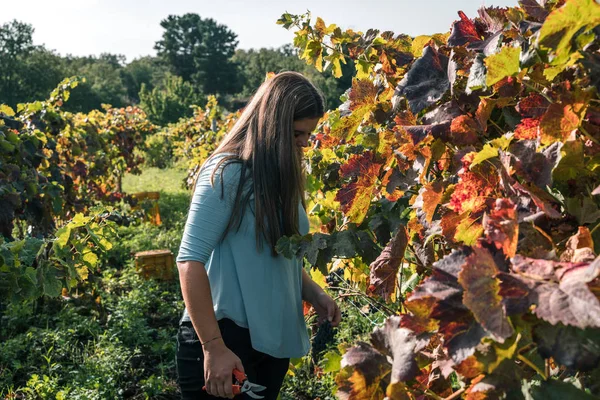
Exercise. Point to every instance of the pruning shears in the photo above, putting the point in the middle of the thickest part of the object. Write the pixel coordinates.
(243, 385)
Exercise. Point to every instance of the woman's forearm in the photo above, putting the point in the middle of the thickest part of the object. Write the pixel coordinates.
(310, 289)
(195, 288)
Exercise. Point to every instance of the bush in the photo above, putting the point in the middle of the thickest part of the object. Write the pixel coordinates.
(159, 152)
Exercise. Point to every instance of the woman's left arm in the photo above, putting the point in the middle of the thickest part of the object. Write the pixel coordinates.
(323, 304)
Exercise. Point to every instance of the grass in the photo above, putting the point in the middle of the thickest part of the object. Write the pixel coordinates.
(156, 180)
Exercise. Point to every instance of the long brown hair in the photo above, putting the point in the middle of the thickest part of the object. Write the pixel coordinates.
(263, 141)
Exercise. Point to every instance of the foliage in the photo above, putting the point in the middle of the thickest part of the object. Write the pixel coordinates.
(169, 103)
(199, 51)
(31, 268)
(194, 139)
(16, 44)
(255, 64)
(149, 71)
(481, 148)
(159, 152)
(112, 337)
(55, 168)
(104, 83)
(55, 164)
(116, 344)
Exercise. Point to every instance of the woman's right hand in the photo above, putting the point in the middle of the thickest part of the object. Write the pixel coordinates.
(219, 363)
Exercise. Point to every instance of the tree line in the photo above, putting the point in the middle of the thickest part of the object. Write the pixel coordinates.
(195, 57)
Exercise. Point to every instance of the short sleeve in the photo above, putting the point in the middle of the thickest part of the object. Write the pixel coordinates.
(210, 210)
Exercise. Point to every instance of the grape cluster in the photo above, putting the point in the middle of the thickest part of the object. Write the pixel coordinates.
(324, 336)
(334, 279)
(118, 218)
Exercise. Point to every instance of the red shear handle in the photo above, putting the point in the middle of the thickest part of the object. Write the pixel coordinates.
(239, 375)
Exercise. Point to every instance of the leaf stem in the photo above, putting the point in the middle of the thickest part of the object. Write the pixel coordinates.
(497, 126)
(594, 230)
(527, 347)
(532, 366)
(587, 135)
(455, 394)
(432, 395)
(544, 95)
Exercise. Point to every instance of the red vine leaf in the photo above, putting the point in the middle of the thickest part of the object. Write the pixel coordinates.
(355, 197)
(533, 106)
(502, 228)
(449, 222)
(419, 320)
(384, 270)
(528, 129)
(464, 130)
(562, 119)
(560, 291)
(432, 197)
(363, 93)
(478, 278)
(472, 192)
(463, 31)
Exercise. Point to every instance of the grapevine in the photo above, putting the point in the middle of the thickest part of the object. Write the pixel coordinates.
(470, 161)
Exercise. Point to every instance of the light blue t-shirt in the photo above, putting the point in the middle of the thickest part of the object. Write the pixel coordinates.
(254, 289)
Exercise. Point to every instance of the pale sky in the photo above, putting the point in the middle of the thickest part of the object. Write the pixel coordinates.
(131, 27)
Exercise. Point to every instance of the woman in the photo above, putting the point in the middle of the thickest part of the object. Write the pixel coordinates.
(243, 300)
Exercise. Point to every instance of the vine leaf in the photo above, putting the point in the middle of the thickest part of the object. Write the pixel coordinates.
(463, 31)
(553, 389)
(579, 247)
(384, 270)
(528, 129)
(464, 130)
(474, 188)
(432, 197)
(468, 231)
(401, 345)
(478, 278)
(426, 81)
(502, 64)
(533, 106)
(365, 373)
(534, 166)
(563, 24)
(355, 197)
(561, 120)
(502, 228)
(534, 9)
(574, 348)
(560, 291)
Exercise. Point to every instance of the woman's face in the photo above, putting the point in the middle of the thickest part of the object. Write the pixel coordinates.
(302, 130)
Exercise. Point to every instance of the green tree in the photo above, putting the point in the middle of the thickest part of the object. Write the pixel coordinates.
(104, 82)
(148, 70)
(171, 102)
(256, 63)
(200, 50)
(40, 72)
(16, 44)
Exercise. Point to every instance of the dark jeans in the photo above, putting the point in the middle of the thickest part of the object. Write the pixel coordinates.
(260, 368)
